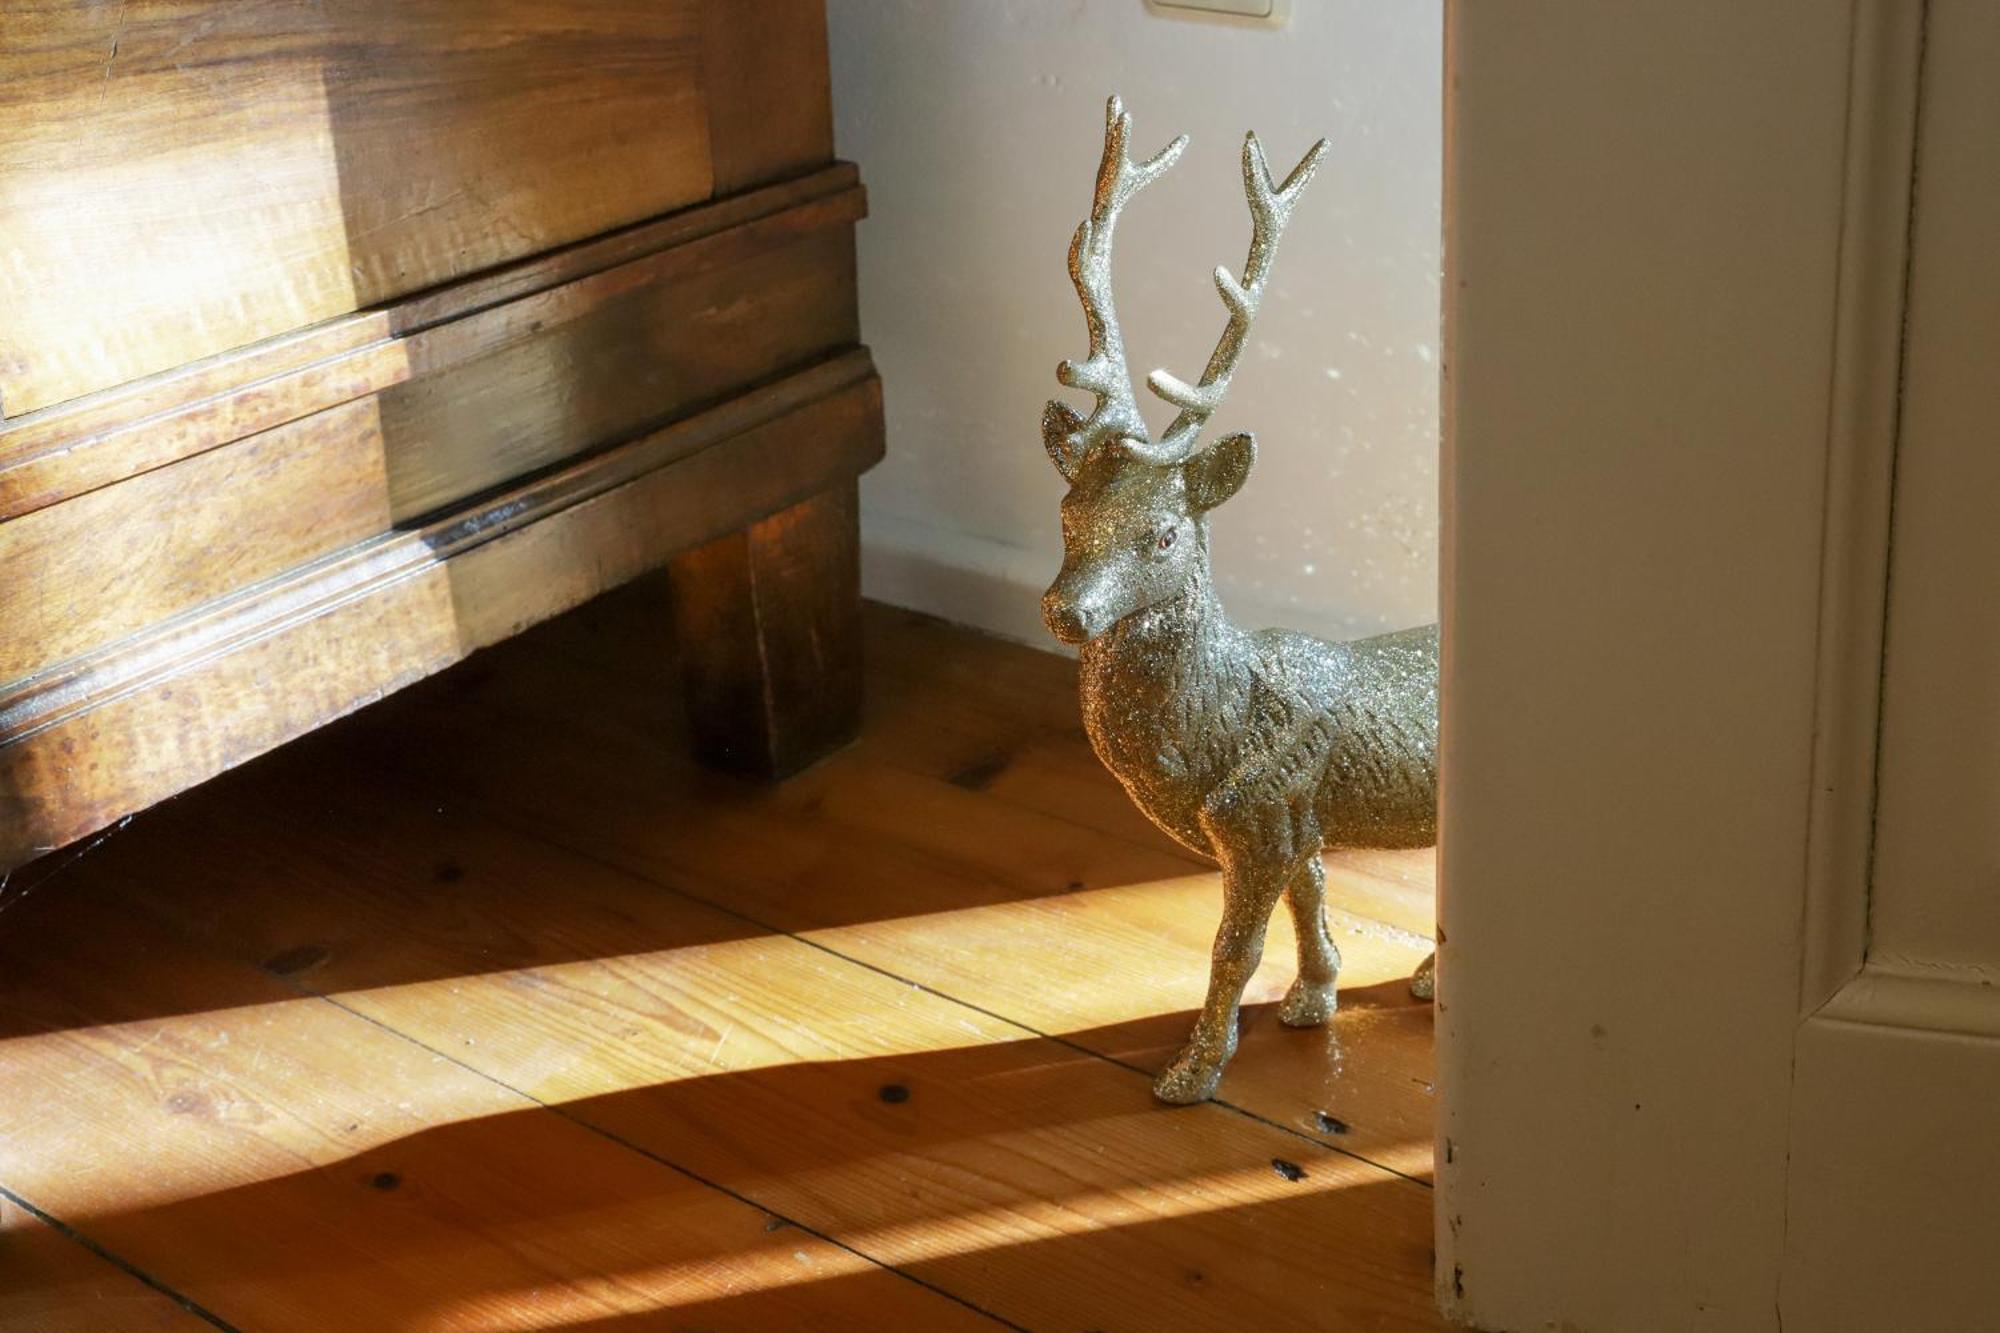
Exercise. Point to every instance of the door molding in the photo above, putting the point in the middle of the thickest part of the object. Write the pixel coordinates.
(1863, 399)
(1960, 1001)
(1839, 982)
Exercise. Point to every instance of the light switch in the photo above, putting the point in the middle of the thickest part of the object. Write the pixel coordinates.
(1267, 13)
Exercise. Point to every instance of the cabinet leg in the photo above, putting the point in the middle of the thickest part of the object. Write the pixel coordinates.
(769, 624)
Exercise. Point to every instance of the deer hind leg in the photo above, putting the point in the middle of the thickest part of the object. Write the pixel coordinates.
(1423, 982)
(1310, 1001)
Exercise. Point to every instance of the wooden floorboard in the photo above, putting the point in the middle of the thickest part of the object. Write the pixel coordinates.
(875, 835)
(289, 1164)
(51, 1282)
(485, 1009)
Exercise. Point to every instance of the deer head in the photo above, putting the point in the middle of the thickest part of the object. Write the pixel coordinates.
(1135, 529)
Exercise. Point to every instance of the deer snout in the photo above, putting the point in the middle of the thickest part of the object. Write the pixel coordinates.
(1066, 620)
(1087, 598)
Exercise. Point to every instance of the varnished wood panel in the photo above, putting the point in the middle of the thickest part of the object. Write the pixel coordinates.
(131, 749)
(158, 712)
(501, 588)
(340, 339)
(766, 82)
(49, 455)
(770, 621)
(109, 563)
(502, 393)
(187, 176)
(484, 397)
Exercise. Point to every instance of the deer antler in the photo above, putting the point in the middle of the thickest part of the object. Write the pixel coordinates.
(1069, 437)
(1270, 209)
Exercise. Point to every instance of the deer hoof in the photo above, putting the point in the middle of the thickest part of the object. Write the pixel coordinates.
(1306, 1005)
(1423, 983)
(1184, 1085)
(1189, 1079)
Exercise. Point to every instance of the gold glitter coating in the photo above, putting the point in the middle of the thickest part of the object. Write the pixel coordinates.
(1255, 748)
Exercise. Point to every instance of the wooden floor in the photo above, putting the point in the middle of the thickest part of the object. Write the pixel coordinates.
(484, 1009)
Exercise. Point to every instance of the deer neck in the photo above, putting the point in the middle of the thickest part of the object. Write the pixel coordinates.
(1169, 640)
(1163, 693)
(1162, 672)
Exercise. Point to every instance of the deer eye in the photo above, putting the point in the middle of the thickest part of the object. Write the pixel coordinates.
(1166, 539)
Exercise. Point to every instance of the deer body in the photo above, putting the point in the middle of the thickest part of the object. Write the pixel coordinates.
(1181, 705)
(1258, 749)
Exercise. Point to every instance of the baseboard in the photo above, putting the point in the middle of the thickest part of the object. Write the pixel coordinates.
(972, 581)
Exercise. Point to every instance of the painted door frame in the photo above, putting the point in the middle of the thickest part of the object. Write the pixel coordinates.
(1675, 1090)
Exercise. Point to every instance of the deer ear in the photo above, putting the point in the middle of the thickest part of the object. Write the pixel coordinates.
(1219, 471)
(1059, 422)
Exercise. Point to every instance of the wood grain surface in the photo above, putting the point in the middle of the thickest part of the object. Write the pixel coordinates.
(944, 1075)
(298, 1166)
(50, 455)
(309, 312)
(158, 712)
(472, 403)
(927, 793)
(769, 91)
(504, 392)
(189, 176)
(110, 563)
(770, 622)
(50, 1282)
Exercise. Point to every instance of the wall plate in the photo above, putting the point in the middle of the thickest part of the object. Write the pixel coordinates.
(1250, 13)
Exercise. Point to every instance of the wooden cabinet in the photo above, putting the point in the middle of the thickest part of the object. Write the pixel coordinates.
(339, 338)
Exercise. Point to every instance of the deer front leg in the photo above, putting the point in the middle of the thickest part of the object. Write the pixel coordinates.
(1310, 1002)
(1261, 849)
(1248, 897)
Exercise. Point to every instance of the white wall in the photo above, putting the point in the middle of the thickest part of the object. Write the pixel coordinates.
(978, 127)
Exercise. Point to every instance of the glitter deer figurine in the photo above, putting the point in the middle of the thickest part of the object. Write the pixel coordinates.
(1255, 748)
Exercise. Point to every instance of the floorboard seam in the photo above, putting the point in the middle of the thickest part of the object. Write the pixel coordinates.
(557, 1109)
(551, 840)
(117, 1261)
(1081, 1049)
